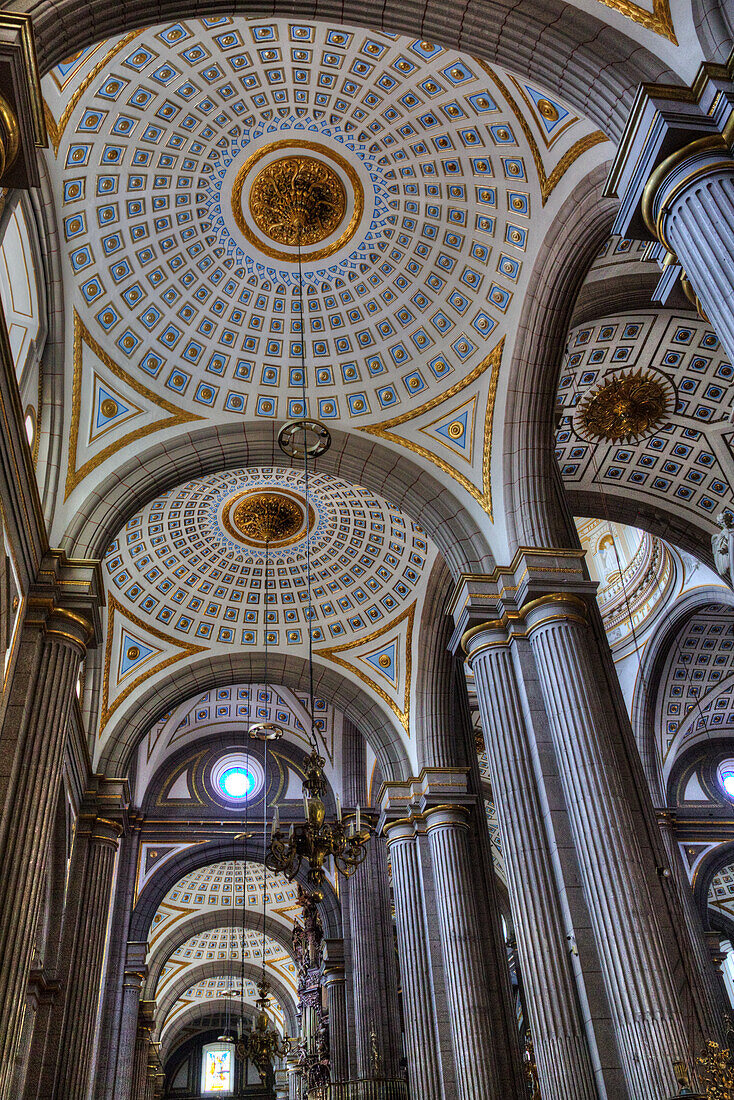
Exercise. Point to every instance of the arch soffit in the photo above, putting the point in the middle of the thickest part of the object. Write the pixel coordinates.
(217, 968)
(686, 738)
(653, 662)
(201, 855)
(171, 685)
(200, 922)
(581, 57)
(535, 511)
(353, 457)
(713, 862)
(173, 1038)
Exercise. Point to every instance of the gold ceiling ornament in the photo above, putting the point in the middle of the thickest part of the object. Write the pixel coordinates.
(277, 516)
(626, 406)
(268, 517)
(297, 193)
(298, 199)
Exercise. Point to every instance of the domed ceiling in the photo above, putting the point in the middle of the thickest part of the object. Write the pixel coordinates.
(221, 885)
(186, 576)
(192, 158)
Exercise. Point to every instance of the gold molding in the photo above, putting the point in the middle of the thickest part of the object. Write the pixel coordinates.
(314, 147)
(548, 183)
(714, 143)
(23, 24)
(74, 475)
(659, 20)
(330, 653)
(579, 614)
(382, 430)
(56, 129)
(188, 649)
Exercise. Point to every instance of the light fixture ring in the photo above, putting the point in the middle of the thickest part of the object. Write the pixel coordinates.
(315, 438)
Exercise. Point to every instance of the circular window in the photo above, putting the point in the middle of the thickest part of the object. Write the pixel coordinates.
(236, 777)
(726, 777)
(236, 782)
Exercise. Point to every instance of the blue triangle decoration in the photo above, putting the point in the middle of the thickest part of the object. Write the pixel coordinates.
(449, 429)
(102, 419)
(384, 661)
(550, 124)
(132, 653)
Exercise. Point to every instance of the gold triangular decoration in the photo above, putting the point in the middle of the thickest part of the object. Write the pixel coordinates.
(175, 415)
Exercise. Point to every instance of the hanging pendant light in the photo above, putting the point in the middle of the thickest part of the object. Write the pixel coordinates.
(316, 840)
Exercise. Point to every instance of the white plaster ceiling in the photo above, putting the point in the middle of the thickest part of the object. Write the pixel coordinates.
(177, 320)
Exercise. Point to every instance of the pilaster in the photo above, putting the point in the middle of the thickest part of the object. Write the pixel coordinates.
(334, 981)
(100, 824)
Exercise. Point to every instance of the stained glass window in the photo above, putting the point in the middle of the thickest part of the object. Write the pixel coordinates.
(217, 1068)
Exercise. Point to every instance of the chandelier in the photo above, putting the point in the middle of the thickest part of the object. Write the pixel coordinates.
(263, 1044)
(317, 840)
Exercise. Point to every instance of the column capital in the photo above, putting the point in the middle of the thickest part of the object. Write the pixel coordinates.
(666, 126)
(405, 805)
(500, 601)
(104, 808)
(42, 988)
(66, 599)
(333, 960)
(136, 967)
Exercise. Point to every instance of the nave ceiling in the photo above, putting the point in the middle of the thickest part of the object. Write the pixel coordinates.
(182, 319)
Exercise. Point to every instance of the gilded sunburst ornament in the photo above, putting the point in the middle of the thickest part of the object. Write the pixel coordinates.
(626, 407)
(298, 199)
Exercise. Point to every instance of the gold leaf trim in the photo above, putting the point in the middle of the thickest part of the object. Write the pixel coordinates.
(177, 415)
(331, 653)
(659, 20)
(382, 430)
(56, 129)
(188, 649)
(548, 183)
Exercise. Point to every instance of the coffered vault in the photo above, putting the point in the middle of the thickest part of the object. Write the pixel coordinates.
(184, 313)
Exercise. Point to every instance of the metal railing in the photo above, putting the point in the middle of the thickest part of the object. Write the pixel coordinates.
(361, 1090)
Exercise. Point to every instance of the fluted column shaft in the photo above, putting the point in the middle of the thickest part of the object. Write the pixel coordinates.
(448, 832)
(374, 971)
(336, 999)
(690, 207)
(82, 954)
(561, 1049)
(32, 742)
(422, 1039)
(374, 966)
(141, 1075)
(648, 1020)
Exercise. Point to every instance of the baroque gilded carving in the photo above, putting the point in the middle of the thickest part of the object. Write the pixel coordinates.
(298, 200)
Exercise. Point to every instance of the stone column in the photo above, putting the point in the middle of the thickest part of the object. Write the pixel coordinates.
(374, 969)
(32, 742)
(142, 1065)
(648, 1017)
(422, 1036)
(674, 173)
(705, 967)
(100, 824)
(448, 827)
(336, 998)
(559, 1038)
